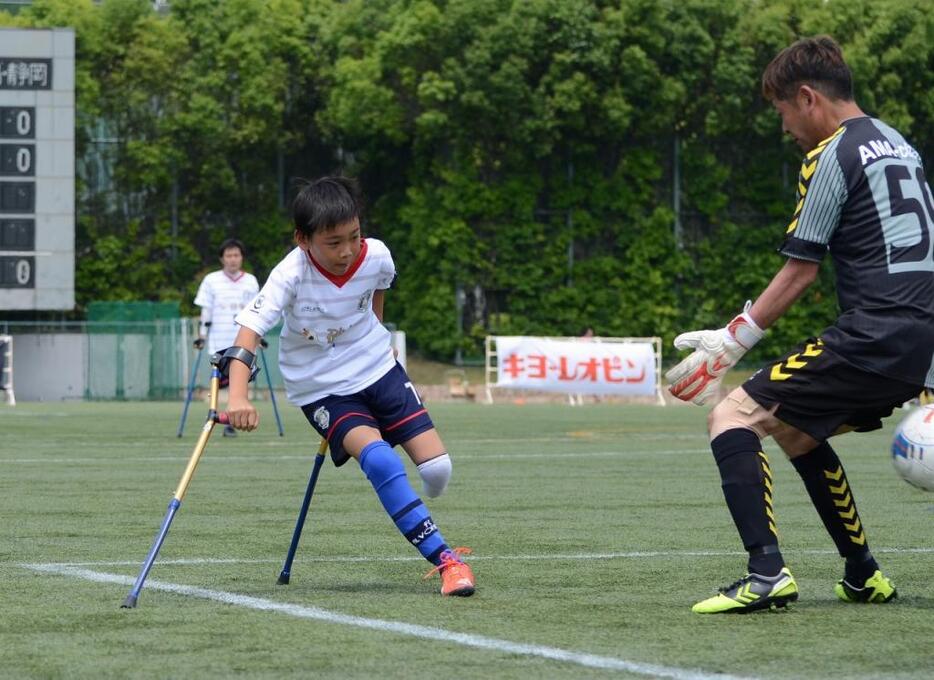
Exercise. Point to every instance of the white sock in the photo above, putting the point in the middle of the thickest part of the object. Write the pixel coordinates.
(435, 474)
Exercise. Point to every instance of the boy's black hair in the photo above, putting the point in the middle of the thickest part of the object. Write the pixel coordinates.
(325, 203)
(817, 62)
(231, 243)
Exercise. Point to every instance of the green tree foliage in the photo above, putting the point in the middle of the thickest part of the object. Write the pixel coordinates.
(518, 155)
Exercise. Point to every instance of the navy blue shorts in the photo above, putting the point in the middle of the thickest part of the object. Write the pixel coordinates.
(391, 405)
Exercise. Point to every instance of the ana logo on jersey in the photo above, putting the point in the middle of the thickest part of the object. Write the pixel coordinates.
(322, 418)
(364, 301)
(308, 335)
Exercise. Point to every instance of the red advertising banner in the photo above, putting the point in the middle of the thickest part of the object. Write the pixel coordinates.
(586, 366)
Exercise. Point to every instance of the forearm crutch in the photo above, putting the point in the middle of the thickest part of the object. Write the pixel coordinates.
(272, 394)
(286, 572)
(213, 418)
(191, 382)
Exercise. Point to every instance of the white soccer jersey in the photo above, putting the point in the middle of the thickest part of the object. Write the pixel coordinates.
(223, 297)
(331, 341)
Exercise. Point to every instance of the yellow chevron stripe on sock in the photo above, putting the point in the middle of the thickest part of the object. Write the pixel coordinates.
(849, 514)
(845, 502)
(835, 476)
(772, 528)
(854, 527)
(859, 540)
(839, 489)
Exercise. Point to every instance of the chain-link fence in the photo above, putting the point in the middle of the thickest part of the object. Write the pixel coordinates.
(112, 359)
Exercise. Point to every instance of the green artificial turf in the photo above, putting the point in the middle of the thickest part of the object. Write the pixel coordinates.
(594, 530)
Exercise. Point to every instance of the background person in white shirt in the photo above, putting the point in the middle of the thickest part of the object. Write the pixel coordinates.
(221, 296)
(339, 368)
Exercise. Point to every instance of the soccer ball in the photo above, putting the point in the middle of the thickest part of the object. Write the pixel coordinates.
(913, 448)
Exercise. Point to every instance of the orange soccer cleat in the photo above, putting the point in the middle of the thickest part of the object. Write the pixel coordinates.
(456, 575)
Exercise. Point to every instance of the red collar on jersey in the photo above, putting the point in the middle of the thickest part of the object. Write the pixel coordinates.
(242, 274)
(340, 280)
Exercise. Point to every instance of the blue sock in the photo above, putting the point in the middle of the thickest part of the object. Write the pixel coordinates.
(387, 475)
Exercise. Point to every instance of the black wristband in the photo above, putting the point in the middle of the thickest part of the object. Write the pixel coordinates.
(222, 360)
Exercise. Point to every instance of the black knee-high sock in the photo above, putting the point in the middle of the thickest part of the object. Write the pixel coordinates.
(830, 493)
(747, 486)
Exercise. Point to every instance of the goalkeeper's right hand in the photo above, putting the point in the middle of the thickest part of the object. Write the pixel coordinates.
(198, 343)
(698, 377)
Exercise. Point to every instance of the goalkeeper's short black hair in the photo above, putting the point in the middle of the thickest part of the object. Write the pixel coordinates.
(325, 203)
(817, 62)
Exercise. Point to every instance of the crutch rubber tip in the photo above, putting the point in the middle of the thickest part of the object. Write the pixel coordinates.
(129, 602)
(283, 579)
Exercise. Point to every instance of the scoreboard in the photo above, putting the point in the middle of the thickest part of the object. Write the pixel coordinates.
(37, 169)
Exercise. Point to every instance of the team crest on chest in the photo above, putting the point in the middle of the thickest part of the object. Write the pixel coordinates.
(364, 300)
(322, 417)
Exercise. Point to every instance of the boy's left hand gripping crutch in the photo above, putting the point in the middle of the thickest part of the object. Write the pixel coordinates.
(219, 364)
(286, 572)
(194, 378)
(272, 395)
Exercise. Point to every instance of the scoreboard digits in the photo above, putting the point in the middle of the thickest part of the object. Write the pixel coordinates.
(17, 197)
(37, 162)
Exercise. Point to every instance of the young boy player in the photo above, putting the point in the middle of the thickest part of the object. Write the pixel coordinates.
(338, 365)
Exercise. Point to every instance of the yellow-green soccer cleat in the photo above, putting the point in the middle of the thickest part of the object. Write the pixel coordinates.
(752, 593)
(876, 590)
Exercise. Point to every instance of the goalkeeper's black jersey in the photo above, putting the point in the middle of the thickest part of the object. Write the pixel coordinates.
(863, 196)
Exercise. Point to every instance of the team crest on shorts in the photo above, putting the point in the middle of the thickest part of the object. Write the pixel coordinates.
(322, 417)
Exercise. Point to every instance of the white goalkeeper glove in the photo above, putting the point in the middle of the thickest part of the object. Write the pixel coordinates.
(698, 376)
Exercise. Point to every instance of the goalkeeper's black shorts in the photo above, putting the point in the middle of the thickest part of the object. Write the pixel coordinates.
(821, 394)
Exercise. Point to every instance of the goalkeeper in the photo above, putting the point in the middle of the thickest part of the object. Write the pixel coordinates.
(863, 196)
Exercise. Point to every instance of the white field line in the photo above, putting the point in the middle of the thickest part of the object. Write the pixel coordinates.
(636, 554)
(253, 459)
(395, 627)
(583, 438)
